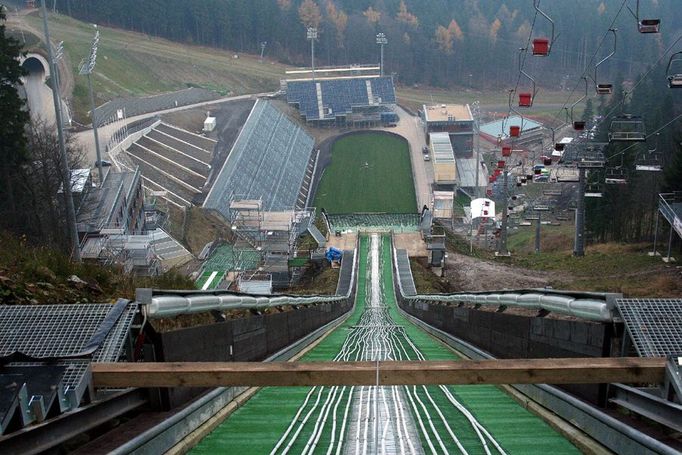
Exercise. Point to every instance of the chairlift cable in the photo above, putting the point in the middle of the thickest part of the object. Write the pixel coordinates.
(588, 65)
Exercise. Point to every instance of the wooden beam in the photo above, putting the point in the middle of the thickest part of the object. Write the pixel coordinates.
(499, 371)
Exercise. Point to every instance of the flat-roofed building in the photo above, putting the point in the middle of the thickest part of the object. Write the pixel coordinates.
(443, 158)
(454, 119)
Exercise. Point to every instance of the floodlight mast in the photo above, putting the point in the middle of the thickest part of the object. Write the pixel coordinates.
(312, 36)
(64, 164)
(86, 67)
(381, 41)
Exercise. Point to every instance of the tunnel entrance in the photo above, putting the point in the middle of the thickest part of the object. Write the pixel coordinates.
(34, 67)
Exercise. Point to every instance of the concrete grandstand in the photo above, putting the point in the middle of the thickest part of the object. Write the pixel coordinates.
(363, 99)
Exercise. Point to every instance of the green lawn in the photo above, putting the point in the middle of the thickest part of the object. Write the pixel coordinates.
(369, 172)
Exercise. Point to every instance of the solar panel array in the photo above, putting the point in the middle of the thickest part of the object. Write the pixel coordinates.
(339, 96)
(267, 162)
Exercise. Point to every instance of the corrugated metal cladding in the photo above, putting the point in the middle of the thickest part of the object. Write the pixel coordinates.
(441, 148)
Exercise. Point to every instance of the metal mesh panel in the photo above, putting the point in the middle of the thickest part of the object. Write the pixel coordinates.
(655, 325)
(405, 273)
(60, 330)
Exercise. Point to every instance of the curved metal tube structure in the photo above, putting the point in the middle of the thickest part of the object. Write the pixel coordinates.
(592, 306)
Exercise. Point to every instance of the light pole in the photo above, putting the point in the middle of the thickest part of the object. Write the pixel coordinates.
(381, 41)
(64, 164)
(86, 67)
(312, 36)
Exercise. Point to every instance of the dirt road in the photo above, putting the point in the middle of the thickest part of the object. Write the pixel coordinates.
(466, 273)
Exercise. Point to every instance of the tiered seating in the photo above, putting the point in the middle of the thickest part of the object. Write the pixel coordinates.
(339, 95)
(156, 181)
(382, 88)
(304, 93)
(267, 162)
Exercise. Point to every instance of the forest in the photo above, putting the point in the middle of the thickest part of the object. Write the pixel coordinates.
(472, 44)
(435, 42)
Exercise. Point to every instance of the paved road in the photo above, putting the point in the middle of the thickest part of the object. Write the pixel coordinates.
(86, 138)
(39, 97)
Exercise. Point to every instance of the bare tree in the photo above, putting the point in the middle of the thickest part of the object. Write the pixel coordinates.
(42, 182)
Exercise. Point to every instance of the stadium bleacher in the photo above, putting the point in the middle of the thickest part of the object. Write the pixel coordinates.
(268, 162)
(339, 96)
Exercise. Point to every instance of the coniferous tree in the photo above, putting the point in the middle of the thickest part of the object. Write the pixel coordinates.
(13, 119)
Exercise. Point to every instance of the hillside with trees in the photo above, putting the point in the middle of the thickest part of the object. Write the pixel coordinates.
(439, 43)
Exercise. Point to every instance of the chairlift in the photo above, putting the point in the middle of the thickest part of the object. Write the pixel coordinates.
(593, 190)
(627, 128)
(646, 25)
(674, 70)
(579, 125)
(542, 46)
(615, 176)
(546, 160)
(605, 89)
(526, 98)
(650, 160)
(500, 164)
(506, 151)
(514, 131)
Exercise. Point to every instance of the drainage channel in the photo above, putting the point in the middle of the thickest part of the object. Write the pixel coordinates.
(382, 419)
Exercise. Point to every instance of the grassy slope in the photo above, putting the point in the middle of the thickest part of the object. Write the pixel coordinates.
(609, 267)
(134, 64)
(348, 185)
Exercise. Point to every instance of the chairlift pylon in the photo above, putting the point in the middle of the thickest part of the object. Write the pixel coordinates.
(542, 46)
(674, 70)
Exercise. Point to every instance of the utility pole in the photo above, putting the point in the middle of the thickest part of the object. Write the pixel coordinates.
(86, 67)
(381, 41)
(262, 49)
(63, 158)
(312, 36)
(502, 250)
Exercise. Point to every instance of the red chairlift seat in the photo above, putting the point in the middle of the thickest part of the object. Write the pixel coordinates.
(604, 89)
(541, 47)
(525, 99)
(537, 171)
(500, 164)
(497, 172)
(489, 192)
(578, 125)
(649, 26)
(546, 160)
(514, 131)
(506, 151)
(559, 147)
(491, 179)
